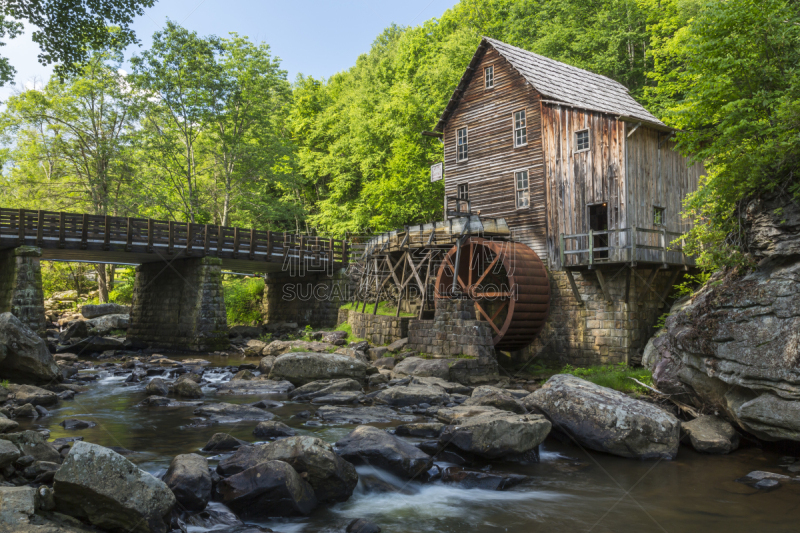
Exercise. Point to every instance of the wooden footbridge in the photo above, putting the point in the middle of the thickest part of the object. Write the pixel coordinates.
(108, 239)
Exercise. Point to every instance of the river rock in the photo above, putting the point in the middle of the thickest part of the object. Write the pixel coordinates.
(190, 481)
(7, 425)
(271, 429)
(606, 420)
(359, 415)
(8, 453)
(101, 486)
(254, 347)
(362, 525)
(425, 430)
(412, 395)
(265, 365)
(339, 398)
(450, 387)
(74, 423)
(17, 506)
(397, 346)
(268, 489)
(494, 397)
(710, 434)
(304, 367)
(163, 402)
(97, 310)
(220, 442)
(372, 446)
(26, 411)
(186, 388)
(156, 387)
(106, 323)
(469, 479)
(24, 357)
(34, 444)
(498, 434)
(416, 366)
(277, 348)
(93, 344)
(255, 386)
(77, 330)
(230, 412)
(309, 391)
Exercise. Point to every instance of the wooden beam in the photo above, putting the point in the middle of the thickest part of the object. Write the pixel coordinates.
(62, 230)
(235, 243)
(107, 233)
(636, 127)
(252, 244)
(40, 228)
(150, 235)
(171, 237)
(269, 246)
(603, 285)
(206, 239)
(574, 287)
(189, 238)
(85, 232)
(424, 288)
(21, 226)
(129, 235)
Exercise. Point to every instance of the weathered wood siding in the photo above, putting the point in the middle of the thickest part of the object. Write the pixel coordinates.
(577, 180)
(492, 158)
(658, 176)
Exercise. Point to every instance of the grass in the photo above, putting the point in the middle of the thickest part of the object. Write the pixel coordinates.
(615, 377)
(347, 328)
(384, 308)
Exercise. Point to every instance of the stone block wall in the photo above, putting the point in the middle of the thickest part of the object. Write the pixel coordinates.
(377, 329)
(453, 331)
(310, 299)
(180, 306)
(598, 332)
(21, 286)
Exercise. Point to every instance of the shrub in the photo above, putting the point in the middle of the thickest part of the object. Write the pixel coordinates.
(243, 300)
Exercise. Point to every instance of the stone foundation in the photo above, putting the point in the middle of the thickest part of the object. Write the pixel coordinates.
(311, 299)
(377, 329)
(180, 305)
(21, 286)
(598, 332)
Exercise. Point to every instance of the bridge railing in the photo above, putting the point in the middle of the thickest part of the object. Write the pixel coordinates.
(98, 232)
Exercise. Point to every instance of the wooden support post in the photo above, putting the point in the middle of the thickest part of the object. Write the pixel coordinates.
(235, 243)
(330, 254)
(591, 248)
(62, 229)
(189, 238)
(424, 288)
(129, 235)
(149, 235)
(171, 237)
(665, 294)
(220, 239)
(21, 228)
(603, 285)
(345, 253)
(206, 240)
(302, 252)
(455, 266)
(252, 244)
(269, 246)
(366, 287)
(40, 228)
(107, 234)
(574, 287)
(561, 255)
(377, 288)
(664, 247)
(400, 290)
(633, 248)
(85, 232)
(285, 247)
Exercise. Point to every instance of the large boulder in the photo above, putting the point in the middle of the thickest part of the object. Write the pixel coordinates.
(98, 310)
(186, 388)
(498, 434)
(304, 367)
(332, 478)
(710, 434)
(412, 395)
(33, 395)
(107, 323)
(156, 387)
(271, 429)
(17, 506)
(34, 444)
(271, 488)
(494, 397)
(372, 446)
(606, 420)
(190, 481)
(110, 492)
(309, 391)
(24, 357)
(222, 442)
(276, 348)
(417, 366)
(265, 365)
(8, 453)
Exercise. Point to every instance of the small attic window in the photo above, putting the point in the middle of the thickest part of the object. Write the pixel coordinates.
(581, 140)
(488, 76)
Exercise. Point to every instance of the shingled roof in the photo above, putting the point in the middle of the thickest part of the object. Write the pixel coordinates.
(559, 82)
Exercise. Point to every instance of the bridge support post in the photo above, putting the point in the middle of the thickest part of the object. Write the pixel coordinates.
(180, 305)
(311, 299)
(21, 286)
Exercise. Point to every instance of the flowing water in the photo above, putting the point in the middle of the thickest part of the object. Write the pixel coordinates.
(571, 489)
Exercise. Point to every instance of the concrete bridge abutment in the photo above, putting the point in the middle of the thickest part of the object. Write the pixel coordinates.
(180, 305)
(21, 291)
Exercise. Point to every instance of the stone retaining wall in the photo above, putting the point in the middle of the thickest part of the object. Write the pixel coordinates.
(453, 331)
(377, 329)
(21, 286)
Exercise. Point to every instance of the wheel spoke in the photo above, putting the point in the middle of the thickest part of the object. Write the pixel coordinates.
(488, 269)
(455, 273)
(498, 310)
(494, 327)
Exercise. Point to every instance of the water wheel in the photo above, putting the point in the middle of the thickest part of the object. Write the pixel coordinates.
(508, 283)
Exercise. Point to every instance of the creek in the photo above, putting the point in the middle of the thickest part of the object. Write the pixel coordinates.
(570, 489)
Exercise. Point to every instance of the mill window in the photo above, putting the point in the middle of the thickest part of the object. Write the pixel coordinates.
(582, 141)
(463, 191)
(658, 216)
(523, 191)
(461, 144)
(520, 129)
(488, 76)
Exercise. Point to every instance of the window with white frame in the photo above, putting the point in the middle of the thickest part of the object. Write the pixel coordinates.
(488, 76)
(523, 190)
(461, 144)
(463, 191)
(581, 140)
(520, 129)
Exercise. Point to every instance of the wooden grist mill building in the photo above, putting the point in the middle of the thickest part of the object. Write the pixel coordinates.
(585, 177)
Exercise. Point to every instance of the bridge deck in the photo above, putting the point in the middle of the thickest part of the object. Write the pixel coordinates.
(83, 237)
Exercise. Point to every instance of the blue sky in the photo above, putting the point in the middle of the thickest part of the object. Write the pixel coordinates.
(317, 37)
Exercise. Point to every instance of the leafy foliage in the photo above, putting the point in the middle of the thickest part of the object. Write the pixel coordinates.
(243, 300)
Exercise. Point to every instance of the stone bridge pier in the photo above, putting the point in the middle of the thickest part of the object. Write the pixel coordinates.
(179, 305)
(310, 299)
(21, 286)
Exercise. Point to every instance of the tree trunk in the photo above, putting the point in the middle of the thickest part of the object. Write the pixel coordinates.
(102, 282)
(112, 270)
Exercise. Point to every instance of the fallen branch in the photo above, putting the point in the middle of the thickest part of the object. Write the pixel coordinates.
(680, 405)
